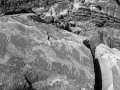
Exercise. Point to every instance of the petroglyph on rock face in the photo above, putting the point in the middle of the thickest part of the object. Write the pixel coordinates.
(46, 51)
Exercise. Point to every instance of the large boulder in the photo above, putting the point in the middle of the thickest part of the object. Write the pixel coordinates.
(109, 60)
(38, 56)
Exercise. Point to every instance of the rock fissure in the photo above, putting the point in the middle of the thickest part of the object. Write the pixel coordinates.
(71, 60)
(97, 70)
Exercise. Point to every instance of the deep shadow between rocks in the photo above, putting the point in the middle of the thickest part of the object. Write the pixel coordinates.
(19, 11)
(36, 18)
(97, 70)
(98, 76)
(25, 87)
(49, 20)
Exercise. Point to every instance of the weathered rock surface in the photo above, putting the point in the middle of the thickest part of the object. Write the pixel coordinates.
(109, 60)
(16, 6)
(36, 56)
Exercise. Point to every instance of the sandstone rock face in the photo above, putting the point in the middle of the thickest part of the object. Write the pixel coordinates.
(36, 56)
(109, 60)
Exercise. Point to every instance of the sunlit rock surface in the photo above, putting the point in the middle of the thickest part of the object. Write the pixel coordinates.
(38, 56)
(109, 60)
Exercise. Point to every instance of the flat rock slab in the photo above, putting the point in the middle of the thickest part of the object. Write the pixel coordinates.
(109, 60)
(39, 56)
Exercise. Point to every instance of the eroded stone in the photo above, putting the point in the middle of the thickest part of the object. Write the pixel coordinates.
(110, 68)
(40, 53)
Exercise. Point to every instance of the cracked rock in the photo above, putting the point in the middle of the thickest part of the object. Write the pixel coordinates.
(35, 55)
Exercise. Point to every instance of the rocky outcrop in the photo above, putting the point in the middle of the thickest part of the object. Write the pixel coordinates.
(8, 7)
(109, 60)
(55, 48)
(38, 56)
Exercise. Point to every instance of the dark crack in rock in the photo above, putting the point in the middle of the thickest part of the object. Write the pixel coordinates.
(36, 55)
(43, 57)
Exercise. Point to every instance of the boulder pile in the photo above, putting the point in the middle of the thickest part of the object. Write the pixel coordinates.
(59, 45)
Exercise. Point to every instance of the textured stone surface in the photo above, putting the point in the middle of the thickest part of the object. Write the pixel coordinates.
(109, 60)
(7, 6)
(37, 56)
(46, 57)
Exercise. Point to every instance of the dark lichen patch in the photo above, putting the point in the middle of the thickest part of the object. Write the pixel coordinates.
(20, 41)
(3, 44)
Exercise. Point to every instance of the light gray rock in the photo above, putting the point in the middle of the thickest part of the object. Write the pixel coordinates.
(109, 60)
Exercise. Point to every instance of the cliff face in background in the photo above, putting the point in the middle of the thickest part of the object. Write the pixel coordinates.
(59, 45)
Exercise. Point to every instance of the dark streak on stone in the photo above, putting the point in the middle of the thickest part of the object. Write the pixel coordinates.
(30, 84)
(117, 1)
(36, 18)
(97, 70)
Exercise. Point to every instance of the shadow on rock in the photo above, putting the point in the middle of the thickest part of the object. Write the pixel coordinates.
(97, 70)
